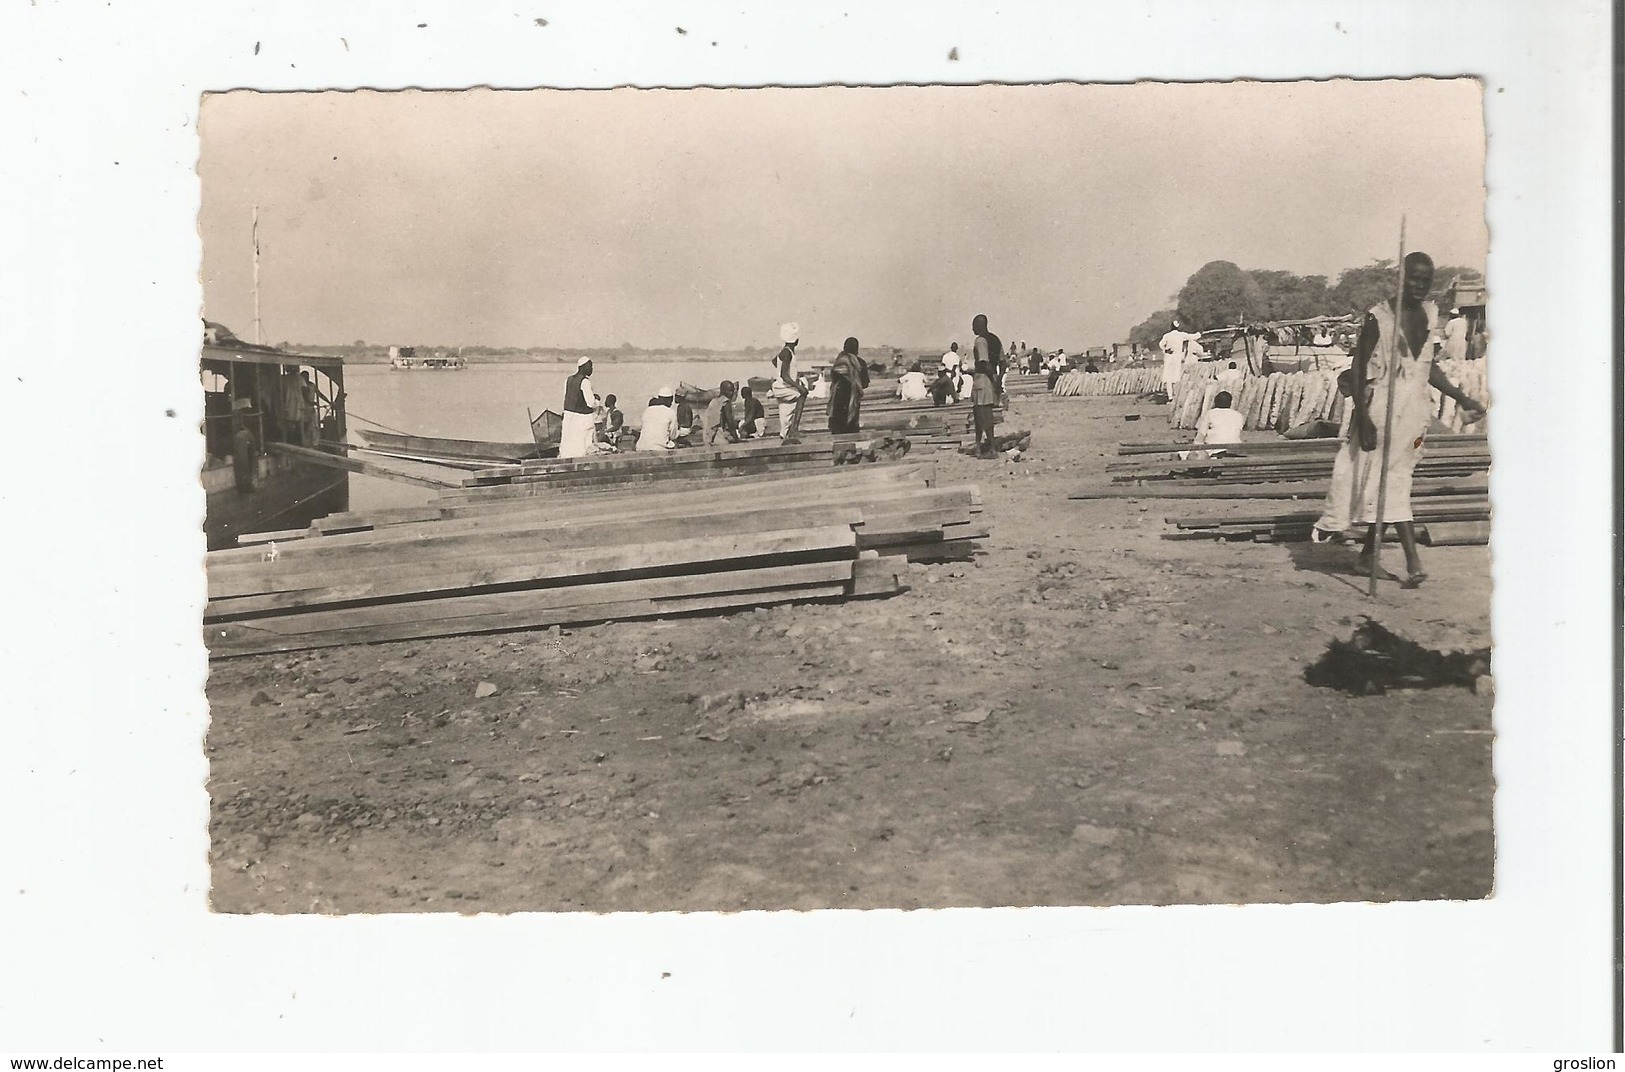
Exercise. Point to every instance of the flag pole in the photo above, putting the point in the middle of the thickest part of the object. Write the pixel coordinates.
(1388, 416)
(256, 237)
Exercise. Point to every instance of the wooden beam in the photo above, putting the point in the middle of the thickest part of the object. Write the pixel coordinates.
(531, 609)
(242, 594)
(355, 465)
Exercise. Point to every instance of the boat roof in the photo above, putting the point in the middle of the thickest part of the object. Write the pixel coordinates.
(251, 354)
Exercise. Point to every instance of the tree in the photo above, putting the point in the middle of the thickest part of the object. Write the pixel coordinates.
(1150, 331)
(1358, 289)
(1292, 297)
(1219, 295)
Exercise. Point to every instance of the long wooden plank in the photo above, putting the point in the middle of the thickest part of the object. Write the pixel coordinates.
(631, 460)
(397, 563)
(1290, 445)
(356, 465)
(685, 468)
(621, 509)
(612, 600)
(406, 545)
(1236, 463)
(578, 565)
(1305, 489)
(249, 642)
(881, 471)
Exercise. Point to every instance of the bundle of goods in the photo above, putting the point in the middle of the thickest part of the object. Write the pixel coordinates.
(1472, 377)
(1280, 400)
(1283, 400)
(1129, 381)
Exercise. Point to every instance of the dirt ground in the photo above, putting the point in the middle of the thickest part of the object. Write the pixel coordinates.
(1087, 714)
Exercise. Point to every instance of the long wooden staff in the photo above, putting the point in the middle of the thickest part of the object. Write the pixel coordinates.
(1388, 414)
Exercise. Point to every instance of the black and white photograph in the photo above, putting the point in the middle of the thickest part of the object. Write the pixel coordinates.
(913, 530)
(803, 498)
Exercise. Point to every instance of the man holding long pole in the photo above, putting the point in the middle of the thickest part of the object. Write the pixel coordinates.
(1393, 368)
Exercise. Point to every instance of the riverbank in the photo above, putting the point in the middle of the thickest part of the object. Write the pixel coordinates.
(1087, 714)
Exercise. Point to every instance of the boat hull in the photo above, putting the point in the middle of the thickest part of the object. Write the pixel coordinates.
(291, 494)
(466, 450)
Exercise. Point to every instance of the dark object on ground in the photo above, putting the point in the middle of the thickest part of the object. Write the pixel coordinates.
(883, 448)
(1021, 441)
(1312, 430)
(1375, 660)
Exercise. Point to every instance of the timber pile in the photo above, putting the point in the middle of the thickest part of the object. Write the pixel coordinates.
(467, 565)
(1026, 384)
(1457, 521)
(1282, 461)
(735, 459)
(923, 423)
(1129, 381)
(1282, 400)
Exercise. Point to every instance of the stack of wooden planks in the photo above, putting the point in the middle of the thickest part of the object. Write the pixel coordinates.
(923, 423)
(473, 564)
(1447, 457)
(1454, 521)
(1026, 384)
(694, 463)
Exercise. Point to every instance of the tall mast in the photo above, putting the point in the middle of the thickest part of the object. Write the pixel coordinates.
(256, 231)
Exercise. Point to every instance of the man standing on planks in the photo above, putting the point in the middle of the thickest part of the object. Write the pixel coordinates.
(1357, 471)
(988, 348)
(850, 376)
(576, 437)
(787, 390)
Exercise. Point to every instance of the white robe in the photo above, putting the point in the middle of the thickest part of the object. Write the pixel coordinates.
(1357, 474)
(577, 435)
(659, 428)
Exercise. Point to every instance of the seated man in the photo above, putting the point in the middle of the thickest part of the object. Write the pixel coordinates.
(659, 423)
(753, 424)
(1221, 424)
(688, 434)
(943, 389)
(911, 385)
(719, 416)
(609, 432)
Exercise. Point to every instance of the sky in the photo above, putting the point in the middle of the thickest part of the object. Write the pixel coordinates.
(706, 217)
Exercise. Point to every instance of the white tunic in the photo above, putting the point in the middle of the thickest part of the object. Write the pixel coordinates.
(659, 428)
(1357, 474)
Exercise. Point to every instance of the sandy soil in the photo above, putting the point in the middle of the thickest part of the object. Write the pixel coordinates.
(1087, 714)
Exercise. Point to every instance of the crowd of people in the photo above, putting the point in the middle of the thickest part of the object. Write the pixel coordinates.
(594, 425)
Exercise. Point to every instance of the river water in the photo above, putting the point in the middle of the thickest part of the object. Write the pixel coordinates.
(489, 402)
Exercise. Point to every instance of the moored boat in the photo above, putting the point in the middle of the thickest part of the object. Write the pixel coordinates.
(257, 399)
(433, 448)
